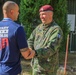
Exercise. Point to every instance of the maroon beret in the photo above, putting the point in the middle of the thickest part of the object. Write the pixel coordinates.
(46, 8)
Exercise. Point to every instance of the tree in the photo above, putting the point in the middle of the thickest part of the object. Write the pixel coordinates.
(29, 13)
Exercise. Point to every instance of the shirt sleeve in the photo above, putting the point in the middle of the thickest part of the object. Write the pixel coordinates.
(21, 38)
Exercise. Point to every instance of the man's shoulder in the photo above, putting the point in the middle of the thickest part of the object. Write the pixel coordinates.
(13, 25)
(39, 26)
(16, 24)
(55, 25)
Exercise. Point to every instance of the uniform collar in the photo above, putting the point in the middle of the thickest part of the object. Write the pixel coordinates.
(47, 25)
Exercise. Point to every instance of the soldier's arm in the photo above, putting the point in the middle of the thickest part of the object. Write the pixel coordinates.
(31, 40)
(53, 44)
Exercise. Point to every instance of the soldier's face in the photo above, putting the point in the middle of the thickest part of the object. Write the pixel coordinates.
(46, 17)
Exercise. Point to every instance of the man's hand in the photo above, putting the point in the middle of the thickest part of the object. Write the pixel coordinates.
(27, 53)
(31, 55)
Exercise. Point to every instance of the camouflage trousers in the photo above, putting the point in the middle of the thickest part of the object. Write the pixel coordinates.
(43, 67)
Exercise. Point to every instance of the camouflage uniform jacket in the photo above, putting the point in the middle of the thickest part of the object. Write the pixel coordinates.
(45, 40)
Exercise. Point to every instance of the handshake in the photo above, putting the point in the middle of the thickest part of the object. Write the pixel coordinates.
(27, 53)
(31, 54)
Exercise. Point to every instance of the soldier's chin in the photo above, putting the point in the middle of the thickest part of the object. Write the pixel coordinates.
(43, 22)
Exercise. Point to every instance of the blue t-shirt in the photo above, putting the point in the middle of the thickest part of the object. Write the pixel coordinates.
(12, 39)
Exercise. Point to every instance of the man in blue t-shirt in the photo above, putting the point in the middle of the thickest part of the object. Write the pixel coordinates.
(13, 41)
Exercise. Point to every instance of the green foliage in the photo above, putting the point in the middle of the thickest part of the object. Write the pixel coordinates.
(29, 15)
(60, 16)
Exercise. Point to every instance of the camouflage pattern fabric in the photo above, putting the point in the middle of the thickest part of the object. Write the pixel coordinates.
(45, 40)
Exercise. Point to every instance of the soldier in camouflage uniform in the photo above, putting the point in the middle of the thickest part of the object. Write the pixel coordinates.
(45, 40)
